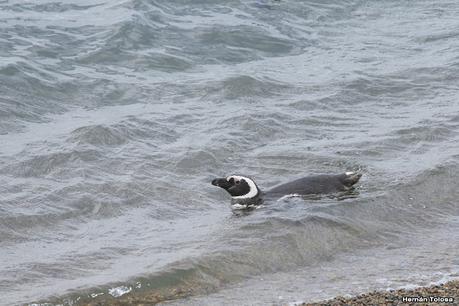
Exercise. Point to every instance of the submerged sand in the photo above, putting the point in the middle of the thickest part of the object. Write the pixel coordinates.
(442, 294)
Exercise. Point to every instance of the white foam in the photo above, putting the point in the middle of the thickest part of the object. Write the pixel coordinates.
(288, 196)
(238, 206)
(409, 287)
(94, 295)
(119, 291)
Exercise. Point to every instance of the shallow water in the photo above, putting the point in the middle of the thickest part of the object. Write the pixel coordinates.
(116, 115)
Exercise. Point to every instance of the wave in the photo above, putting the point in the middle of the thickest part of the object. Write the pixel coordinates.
(310, 232)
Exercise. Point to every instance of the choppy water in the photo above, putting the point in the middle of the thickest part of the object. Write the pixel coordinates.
(115, 116)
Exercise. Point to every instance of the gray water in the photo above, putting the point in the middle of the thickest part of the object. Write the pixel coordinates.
(116, 115)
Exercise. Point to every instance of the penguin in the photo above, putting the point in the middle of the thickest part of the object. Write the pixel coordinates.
(245, 193)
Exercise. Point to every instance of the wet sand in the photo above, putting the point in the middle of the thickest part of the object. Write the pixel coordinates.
(443, 294)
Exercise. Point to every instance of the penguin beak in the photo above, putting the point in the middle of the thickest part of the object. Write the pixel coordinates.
(221, 182)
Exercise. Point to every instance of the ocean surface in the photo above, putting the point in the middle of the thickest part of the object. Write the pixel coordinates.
(116, 115)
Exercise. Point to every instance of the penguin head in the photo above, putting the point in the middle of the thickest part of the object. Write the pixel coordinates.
(239, 187)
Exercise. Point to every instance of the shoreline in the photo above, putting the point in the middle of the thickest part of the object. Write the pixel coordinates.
(443, 294)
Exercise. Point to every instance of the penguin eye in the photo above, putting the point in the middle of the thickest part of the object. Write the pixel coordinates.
(231, 180)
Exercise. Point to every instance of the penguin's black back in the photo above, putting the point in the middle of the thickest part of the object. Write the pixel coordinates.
(315, 184)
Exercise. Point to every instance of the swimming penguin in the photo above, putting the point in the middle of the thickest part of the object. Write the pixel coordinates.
(246, 194)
